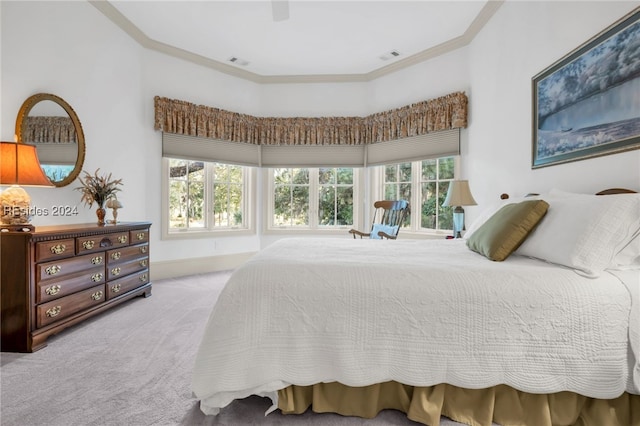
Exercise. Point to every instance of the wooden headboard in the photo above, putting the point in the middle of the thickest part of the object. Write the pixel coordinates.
(609, 191)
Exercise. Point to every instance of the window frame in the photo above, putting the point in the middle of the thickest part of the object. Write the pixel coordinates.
(377, 179)
(248, 205)
(314, 227)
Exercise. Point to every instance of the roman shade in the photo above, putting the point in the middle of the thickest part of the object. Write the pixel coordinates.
(313, 156)
(57, 153)
(214, 150)
(431, 145)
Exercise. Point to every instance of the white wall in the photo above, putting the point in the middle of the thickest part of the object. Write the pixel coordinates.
(521, 40)
(70, 49)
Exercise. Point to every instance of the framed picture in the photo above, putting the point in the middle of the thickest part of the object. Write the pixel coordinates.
(587, 104)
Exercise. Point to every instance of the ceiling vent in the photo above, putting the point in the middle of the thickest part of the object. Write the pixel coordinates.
(237, 61)
(390, 55)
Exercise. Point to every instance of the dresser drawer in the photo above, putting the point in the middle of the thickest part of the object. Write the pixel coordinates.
(127, 253)
(119, 270)
(121, 286)
(101, 242)
(139, 236)
(62, 268)
(55, 310)
(57, 249)
(54, 289)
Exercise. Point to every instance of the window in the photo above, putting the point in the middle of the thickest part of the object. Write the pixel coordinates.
(206, 197)
(312, 198)
(291, 197)
(397, 185)
(425, 184)
(434, 183)
(335, 207)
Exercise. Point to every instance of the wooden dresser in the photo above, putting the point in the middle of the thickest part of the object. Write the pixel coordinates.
(58, 276)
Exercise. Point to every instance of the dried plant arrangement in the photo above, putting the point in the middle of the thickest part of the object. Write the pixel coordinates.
(97, 189)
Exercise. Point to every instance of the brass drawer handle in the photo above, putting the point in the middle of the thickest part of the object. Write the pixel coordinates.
(96, 260)
(88, 244)
(51, 290)
(96, 277)
(122, 239)
(115, 271)
(116, 255)
(97, 295)
(53, 269)
(140, 235)
(55, 311)
(143, 249)
(58, 249)
(143, 277)
(115, 288)
(143, 262)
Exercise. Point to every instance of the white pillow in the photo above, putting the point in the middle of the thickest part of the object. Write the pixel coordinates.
(584, 232)
(629, 256)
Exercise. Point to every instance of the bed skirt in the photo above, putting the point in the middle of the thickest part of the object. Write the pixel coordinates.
(500, 404)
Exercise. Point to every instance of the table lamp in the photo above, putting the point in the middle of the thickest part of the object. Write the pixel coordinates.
(458, 195)
(19, 165)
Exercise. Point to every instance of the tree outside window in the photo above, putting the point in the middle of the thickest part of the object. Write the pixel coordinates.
(435, 179)
(291, 197)
(397, 185)
(335, 197)
(227, 195)
(423, 184)
(186, 194)
(313, 198)
(193, 185)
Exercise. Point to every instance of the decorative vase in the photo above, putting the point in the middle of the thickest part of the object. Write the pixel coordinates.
(101, 213)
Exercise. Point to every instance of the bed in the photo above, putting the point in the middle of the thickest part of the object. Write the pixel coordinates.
(532, 319)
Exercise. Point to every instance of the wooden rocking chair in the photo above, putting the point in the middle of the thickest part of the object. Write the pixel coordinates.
(387, 220)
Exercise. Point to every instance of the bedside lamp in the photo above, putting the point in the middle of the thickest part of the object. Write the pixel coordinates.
(19, 165)
(458, 195)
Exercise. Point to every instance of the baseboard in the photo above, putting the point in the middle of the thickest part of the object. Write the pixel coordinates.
(199, 265)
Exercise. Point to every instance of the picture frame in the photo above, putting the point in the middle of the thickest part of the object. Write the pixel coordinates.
(587, 104)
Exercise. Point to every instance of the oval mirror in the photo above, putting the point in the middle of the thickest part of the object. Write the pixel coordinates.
(49, 123)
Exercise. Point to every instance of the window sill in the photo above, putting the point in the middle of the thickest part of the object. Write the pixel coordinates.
(192, 234)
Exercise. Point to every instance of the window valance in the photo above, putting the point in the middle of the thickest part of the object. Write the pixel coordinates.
(184, 118)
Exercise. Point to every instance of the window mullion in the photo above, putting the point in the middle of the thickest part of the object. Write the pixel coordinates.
(314, 196)
(416, 194)
(209, 177)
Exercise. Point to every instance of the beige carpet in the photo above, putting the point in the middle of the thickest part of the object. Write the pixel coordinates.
(132, 366)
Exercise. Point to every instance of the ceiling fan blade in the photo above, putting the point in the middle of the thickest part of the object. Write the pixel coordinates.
(280, 10)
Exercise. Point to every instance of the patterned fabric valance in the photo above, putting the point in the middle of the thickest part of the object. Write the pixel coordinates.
(46, 129)
(184, 118)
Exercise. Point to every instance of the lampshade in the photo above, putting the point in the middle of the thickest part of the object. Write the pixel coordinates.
(19, 165)
(459, 194)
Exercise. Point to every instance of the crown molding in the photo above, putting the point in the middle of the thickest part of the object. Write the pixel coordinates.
(114, 15)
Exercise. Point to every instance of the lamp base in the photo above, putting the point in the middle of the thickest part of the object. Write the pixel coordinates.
(458, 221)
(15, 206)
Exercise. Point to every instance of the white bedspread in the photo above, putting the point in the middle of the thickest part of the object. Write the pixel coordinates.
(359, 312)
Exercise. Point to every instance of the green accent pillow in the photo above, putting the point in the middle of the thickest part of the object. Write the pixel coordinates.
(503, 233)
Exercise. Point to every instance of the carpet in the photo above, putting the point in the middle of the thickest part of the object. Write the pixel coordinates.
(132, 366)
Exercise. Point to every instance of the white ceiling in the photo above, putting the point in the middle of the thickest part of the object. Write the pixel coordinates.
(320, 38)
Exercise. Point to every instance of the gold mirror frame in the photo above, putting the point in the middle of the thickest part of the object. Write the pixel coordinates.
(20, 124)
